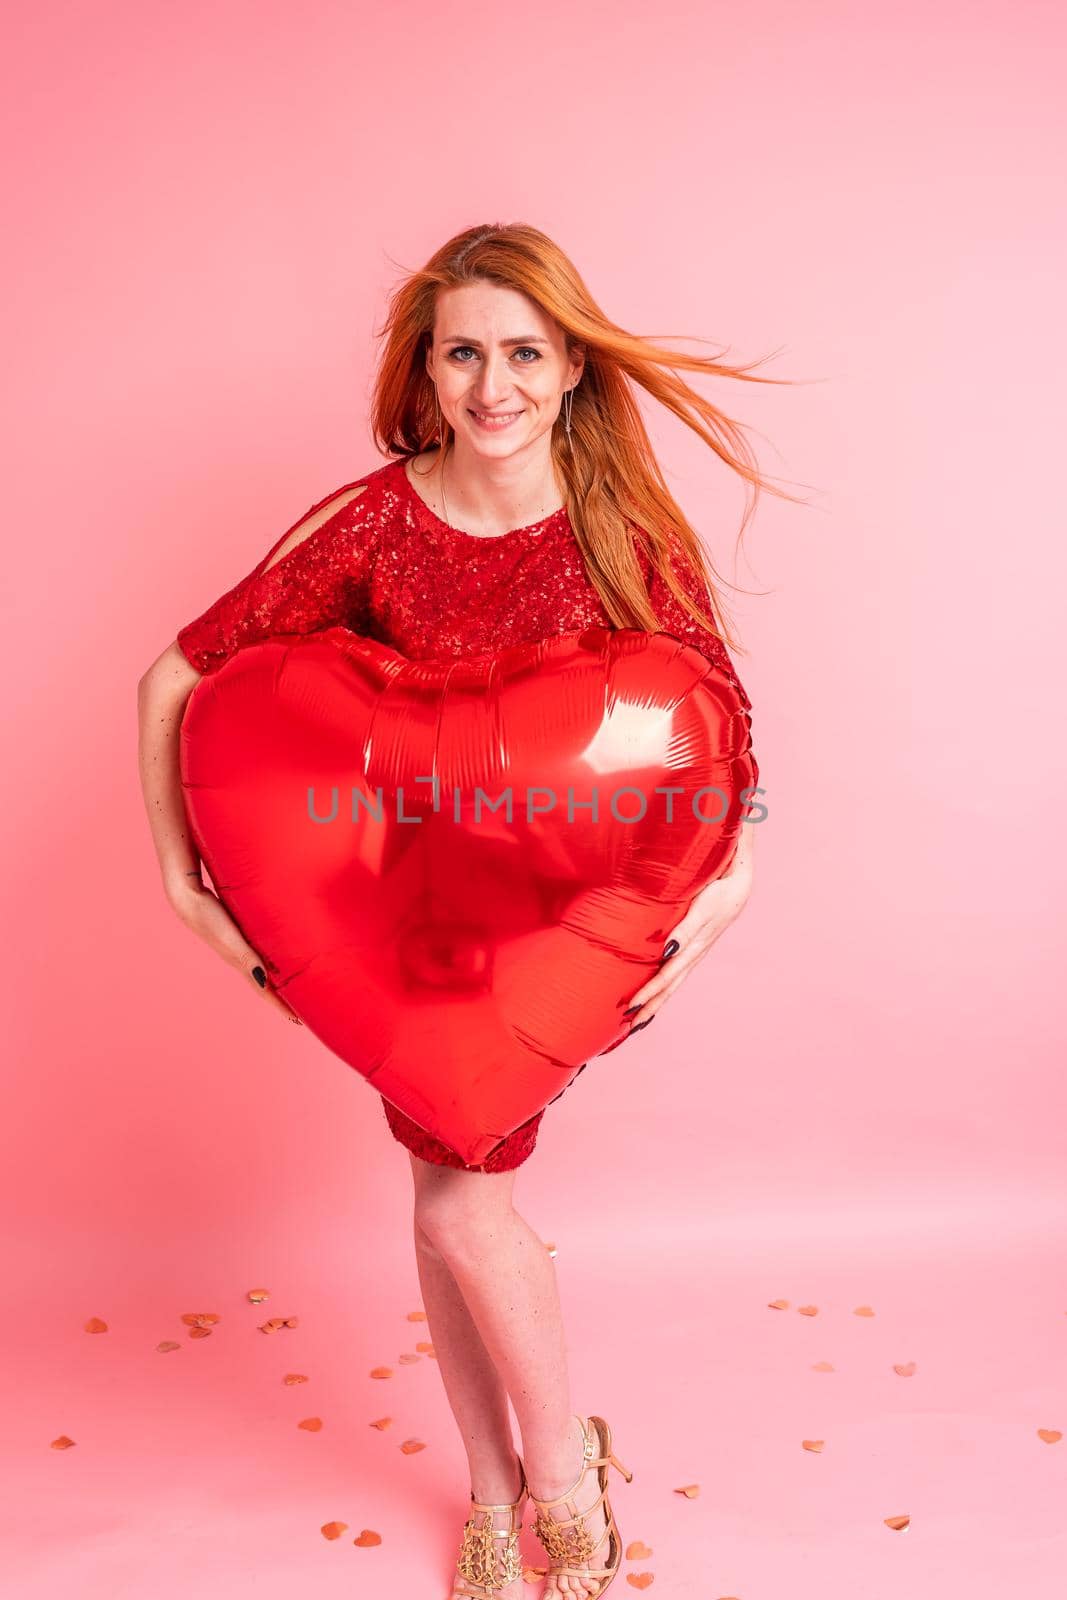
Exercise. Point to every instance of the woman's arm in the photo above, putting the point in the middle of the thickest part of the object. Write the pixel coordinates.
(162, 693)
(315, 575)
(721, 902)
(303, 582)
(717, 905)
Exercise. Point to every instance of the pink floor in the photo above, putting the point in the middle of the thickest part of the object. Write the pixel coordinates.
(190, 1476)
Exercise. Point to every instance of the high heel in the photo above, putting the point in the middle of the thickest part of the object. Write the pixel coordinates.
(483, 1570)
(566, 1540)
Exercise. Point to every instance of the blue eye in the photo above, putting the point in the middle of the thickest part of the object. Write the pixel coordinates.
(526, 348)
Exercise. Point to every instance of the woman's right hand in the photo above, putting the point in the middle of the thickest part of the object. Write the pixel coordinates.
(204, 913)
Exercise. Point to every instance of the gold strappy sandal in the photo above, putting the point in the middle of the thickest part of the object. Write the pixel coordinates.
(566, 1540)
(486, 1566)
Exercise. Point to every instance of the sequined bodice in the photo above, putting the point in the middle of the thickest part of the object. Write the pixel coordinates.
(385, 565)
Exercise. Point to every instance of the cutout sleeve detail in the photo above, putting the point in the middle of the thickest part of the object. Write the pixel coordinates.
(321, 581)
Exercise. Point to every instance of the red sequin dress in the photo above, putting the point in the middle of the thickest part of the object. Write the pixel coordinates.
(382, 563)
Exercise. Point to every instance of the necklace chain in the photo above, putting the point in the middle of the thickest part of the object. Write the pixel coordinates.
(568, 401)
(444, 503)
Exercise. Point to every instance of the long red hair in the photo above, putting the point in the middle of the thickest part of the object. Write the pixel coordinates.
(611, 476)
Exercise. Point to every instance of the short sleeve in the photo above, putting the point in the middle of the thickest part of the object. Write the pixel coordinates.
(675, 620)
(323, 581)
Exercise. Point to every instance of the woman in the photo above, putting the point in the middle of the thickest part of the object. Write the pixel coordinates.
(523, 501)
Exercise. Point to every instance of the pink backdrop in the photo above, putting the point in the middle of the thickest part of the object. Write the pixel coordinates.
(858, 1099)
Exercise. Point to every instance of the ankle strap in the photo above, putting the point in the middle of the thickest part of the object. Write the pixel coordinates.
(511, 1505)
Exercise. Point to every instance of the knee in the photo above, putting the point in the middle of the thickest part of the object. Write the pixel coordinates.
(458, 1225)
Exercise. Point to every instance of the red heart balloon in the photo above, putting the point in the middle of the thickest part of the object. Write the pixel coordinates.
(352, 808)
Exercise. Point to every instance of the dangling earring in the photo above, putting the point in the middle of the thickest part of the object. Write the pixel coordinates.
(440, 425)
(568, 407)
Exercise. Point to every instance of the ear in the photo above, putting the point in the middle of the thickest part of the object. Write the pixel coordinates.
(576, 357)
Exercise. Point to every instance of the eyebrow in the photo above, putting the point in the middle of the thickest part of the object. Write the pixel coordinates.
(460, 338)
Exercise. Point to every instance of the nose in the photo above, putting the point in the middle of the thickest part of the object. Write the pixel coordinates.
(494, 383)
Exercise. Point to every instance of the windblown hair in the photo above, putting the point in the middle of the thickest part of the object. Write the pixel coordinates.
(608, 467)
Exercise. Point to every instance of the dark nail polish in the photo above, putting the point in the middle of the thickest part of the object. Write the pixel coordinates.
(626, 1013)
(639, 1025)
(672, 946)
(260, 976)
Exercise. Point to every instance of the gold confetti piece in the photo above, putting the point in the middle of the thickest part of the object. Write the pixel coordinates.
(407, 1359)
(416, 1316)
(382, 1423)
(275, 1324)
(310, 1424)
(898, 1524)
(168, 1344)
(813, 1444)
(641, 1580)
(96, 1325)
(294, 1377)
(411, 1446)
(690, 1491)
(808, 1311)
(200, 1319)
(863, 1311)
(62, 1443)
(822, 1366)
(427, 1349)
(778, 1305)
(637, 1551)
(333, 1530)
(289, 1322)
(367, 1538)
(534, 1574)
(257, 1297)
(381, 1372)
(1050, 1435)
(906, 1370)
(200, 1333)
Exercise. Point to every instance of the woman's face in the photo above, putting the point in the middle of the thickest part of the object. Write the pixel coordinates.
(500, 365)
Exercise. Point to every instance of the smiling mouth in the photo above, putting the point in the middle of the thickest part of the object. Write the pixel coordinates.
(494, 420)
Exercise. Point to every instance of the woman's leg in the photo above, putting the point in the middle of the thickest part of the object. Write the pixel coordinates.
(492, 1304)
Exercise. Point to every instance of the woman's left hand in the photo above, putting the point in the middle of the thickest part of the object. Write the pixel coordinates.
(710, 914)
